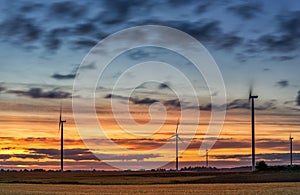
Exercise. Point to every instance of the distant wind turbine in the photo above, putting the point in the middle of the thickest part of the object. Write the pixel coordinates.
(206, 158)
(291, 150)
(251, 98)
(61, 129)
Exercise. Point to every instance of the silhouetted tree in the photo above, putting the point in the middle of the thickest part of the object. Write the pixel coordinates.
(261, 166)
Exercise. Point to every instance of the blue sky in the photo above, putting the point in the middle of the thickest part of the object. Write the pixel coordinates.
(44, 42)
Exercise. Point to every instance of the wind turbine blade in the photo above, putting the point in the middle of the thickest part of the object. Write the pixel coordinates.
(60, 113)
(58, 127)
(177, 125)
(250, 92)
(171, 137)
(181, 140)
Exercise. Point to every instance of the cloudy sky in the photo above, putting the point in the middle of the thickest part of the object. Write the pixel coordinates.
(254, 43)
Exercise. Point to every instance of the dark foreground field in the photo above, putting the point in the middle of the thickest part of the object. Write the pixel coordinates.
(149, 183)
(142, 178)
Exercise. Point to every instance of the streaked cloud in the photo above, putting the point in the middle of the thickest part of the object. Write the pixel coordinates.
(246, 10)
(40, 93)
(282, 83)
(63, 76)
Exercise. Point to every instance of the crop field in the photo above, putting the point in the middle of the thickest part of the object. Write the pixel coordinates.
(149, 183)
(254, 188)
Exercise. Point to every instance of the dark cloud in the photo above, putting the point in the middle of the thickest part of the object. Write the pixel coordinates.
(289, 23)
(298, 99)
(33, 156)
(228, 41)
(79, 154)
(282, 43)
(146, 101)
(283, 58)
(241, 57)
(2, 88)
(53, 39)
(143, 101)
(288, 36)
(138, 144)
(203, 31)
(89, 66)
(267, 105)
(238, 103)
(245, 104)
(208, 32)
(8, 148)
(221, 143)
(63, 76)
(246, 10)
(84, 43)
(205, 107)
(272, 143)
(139, 54)
(5, 156)
(267, 157)
(76, 154)
(163, 86)
(176, 3)
(29, 7)
(109, 96)
(203, 6)
(118, 11)
(282, 83)
(67, 10)
(19, 29)
(85, 28)
(39, 93)
(52, 43)
(138, 157)
(175, 103)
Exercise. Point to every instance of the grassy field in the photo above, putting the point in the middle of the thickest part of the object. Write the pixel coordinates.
(259, 188)
(149, 183)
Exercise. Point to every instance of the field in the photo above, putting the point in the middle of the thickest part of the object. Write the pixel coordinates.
(149, 183)
(260, 188)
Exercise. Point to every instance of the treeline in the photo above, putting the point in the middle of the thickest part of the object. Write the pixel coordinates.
(262, 166)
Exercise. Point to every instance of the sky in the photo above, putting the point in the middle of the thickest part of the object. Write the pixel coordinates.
(47, 48)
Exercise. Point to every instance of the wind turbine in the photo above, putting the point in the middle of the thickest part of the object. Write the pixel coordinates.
(61, 129)
(291, 150)
(252, 98)
(206, 158)
(176, 139)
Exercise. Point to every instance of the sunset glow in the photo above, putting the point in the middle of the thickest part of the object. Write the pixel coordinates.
(43, 49)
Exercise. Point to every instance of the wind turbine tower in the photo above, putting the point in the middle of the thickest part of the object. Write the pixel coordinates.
(252, 98)
(177, 137)
(61, 129)
(291, 150)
